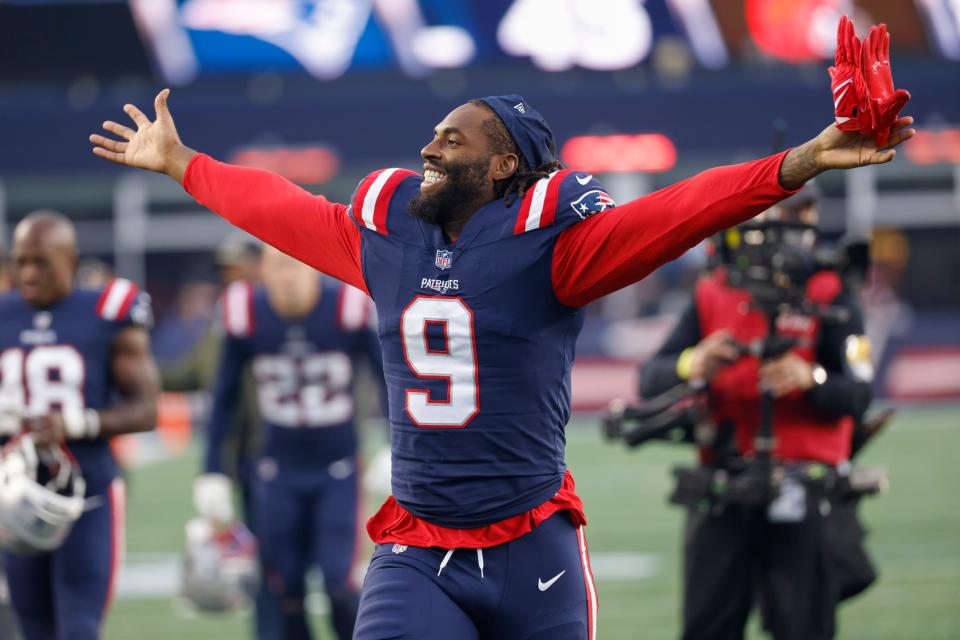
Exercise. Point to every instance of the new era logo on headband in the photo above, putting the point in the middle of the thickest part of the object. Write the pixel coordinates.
(528, 129)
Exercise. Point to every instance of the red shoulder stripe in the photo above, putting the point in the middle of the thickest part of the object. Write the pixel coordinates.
(383, 199)
(539, 206)
(372, 201)
(361, 195)
(553, 194)
(128, 301)
(238, 309)
(116, 298)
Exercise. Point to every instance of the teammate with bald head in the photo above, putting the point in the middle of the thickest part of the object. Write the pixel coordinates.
(44, 256)
(75, 368)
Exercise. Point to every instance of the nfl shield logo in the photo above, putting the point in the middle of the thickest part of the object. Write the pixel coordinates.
(444, 259)
(42, 320)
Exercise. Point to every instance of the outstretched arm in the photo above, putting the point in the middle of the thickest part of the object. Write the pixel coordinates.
(307, 227)
(619, 247)
(310, 228)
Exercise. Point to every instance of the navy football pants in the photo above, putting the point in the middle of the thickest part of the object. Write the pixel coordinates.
(537, 587)
(266, 613)
(8, 625)
(63, 595)
(305, 522)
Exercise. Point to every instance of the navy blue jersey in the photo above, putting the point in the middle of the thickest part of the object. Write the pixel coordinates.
(58, 358)
(477, 348)
(478, 335)
(303, 371)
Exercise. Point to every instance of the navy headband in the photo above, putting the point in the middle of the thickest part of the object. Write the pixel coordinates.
(527, 127)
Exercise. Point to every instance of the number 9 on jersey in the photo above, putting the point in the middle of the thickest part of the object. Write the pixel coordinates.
(455, 362)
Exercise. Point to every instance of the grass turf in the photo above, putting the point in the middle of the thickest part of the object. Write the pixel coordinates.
(915, 538)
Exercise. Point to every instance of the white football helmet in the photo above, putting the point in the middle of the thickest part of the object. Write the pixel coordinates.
(41, 496)
(220, 570)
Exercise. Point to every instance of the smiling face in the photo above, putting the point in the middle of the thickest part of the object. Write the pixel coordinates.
(460, 166)
(44, 258)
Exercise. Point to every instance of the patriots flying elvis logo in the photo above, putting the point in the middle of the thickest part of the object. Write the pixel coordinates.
(444, 259)
(593, 201)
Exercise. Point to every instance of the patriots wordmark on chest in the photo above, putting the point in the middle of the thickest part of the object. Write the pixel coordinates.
(41, 332)
(440, 285)
(296, 333)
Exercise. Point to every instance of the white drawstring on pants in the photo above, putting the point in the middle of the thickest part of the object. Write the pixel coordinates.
(446, 559)
(449, 554)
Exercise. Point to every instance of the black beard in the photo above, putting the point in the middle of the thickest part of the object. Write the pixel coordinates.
(462, 189)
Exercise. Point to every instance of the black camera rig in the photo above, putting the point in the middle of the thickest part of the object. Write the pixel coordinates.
(763, 259)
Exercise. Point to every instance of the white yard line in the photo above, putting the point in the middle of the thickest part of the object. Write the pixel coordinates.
(150, 576)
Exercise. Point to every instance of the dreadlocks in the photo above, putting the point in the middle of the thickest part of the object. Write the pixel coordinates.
(523, 178)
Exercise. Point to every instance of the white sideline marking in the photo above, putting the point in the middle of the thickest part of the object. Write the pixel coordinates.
(624, 566)
(151, 576)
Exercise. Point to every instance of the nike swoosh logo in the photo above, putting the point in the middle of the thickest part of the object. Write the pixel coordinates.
(543, 586)
(585, 180)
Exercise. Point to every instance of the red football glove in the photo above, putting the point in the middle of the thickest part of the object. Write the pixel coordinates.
(883, 102)
(847, 83)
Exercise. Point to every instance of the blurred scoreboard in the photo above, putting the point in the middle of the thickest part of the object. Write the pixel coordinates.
(326, 38)
(186, 39)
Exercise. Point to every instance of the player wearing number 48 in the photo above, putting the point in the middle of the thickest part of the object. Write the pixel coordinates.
(480, 268)
(75, 369)
(301, 335)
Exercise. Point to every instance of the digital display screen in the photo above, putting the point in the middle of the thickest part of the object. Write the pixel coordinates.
(185, 40)
(327, 38)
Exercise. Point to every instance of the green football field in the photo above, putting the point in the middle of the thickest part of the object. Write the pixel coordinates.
(634, 540)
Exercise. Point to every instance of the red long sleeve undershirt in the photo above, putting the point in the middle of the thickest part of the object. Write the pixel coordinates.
(609, 251)
(591, 259)
(308, 227)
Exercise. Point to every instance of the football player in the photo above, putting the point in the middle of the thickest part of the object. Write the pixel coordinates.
(7, 624)
(75, 368)
(301, 335)
(480, 268)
